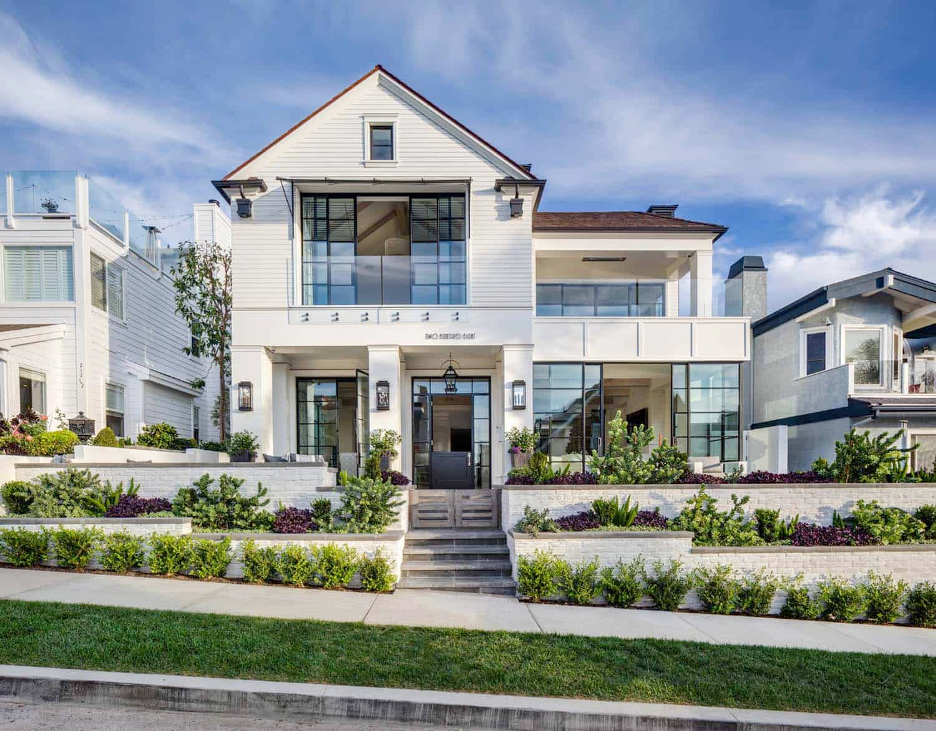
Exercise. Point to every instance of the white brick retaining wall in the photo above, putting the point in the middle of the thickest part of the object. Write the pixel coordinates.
(814, 502)
(913, 563)
(136, 527)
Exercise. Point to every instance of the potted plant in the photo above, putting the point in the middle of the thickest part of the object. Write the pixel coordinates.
(522, 443)
(243, 446)
(50, 205)
(383, 444)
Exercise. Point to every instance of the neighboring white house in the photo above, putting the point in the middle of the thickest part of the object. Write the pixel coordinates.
(87, 311)
(848, 355)
(379, 237)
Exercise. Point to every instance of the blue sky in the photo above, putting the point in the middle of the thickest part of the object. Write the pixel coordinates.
(807, 128)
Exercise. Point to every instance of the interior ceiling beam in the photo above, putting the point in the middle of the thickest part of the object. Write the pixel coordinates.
(391, 214)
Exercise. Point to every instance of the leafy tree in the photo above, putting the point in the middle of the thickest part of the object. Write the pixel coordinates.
(202, 281)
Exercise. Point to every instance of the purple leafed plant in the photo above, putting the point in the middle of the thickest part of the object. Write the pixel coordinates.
(133, 506)
(292, 520)
(815, 535)
(698, 478)
(395, 477)
(763, 477)
(650, 518)
(579, 521)
(579, 478)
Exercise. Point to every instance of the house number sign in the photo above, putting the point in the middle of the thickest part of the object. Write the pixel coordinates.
(450, 336)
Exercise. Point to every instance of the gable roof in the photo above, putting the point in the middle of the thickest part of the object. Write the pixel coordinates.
(522, 172)
(558, 221)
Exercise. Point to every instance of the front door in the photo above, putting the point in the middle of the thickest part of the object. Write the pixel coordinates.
(452, 434)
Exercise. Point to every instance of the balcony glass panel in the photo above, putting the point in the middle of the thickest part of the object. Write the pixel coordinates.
(43, 191)
(624, 299)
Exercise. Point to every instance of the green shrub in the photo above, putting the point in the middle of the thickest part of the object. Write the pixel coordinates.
(668, 585)
(335, 564)
(884, 597)
(322, 514)
(109, 496)
(17, 496)
(712, 527)
(369, 505)
(241, 442)
(65, 494)
(259, 565)
(927, 515)
(23, 548)
(667, 463)
(74, 548)
(295, 565)
(888, 525)
(622, 585)
(841, 599)
(799, 604)
(861, 459)
(210, 559)
(756, 592)
(921, 605)
(717, 588)
(122, 552)
(213, 446)
(60, 442)
(770, 528)
(522, 438)
(534, 521)
(538, 576)
(579, 583)
(161, 434)
(382, 442)
(105, 438)
(623, 463)
(376, 573)
(170, 554)
(611, 512)
(223, 508)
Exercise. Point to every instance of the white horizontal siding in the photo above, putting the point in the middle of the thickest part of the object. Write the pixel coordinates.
(162, 404)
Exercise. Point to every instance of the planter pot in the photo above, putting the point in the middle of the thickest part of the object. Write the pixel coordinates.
(519, 459)
(242, 457)
(385, 462)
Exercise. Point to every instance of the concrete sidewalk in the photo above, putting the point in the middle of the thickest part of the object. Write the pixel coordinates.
(455, 610)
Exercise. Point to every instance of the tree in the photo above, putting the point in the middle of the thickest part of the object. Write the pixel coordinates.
(202, 281)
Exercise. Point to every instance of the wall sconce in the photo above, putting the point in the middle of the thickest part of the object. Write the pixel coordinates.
(244, 208)
(519, 395)
(516, 204)
(245, 396)
(383, 396)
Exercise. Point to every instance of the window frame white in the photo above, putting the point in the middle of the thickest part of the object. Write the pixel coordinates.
(882, 350)
(108, 309)
(804, 337)
(36, 376)
(381, 120)
(113, 412)
(5, 295)
(911, 435)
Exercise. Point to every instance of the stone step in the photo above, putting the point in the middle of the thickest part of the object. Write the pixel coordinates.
(461, 569)
(455, 553)
(489, 586)
(454, 537)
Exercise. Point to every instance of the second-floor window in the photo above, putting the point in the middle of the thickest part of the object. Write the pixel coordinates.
(38, 274)
(623, 300)
(381, 142)
(815, 357)
(863, 349)
(107, 287)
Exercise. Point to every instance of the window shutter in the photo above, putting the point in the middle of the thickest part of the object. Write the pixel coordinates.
(38, 273)
(115, 302)
(98, 282)
(14, 271)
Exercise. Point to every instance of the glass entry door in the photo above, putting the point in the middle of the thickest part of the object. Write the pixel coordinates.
(329, 420)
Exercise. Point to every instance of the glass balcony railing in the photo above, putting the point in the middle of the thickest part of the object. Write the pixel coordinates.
(105, 210)
(896, 377)
(922, 376)
(42, 191)
(636, 298)
(387, 280)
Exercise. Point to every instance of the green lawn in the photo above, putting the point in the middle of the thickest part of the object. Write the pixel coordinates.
(148, 641)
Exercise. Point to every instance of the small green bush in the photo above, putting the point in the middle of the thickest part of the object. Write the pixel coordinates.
(105, 438)
(376, 573)
(59, 442)
(622, 585)
(259, 565)
(884, 597)
(842, 600)
(921, 605)
(17, 496)
(717, 588)
(611, 512)
(170, 554)
(295, 565)
(369, 505)
(322, 513)
(241, 442)
(534, 521)
(668, 585)
(712, 527)
(756, 592)
(888, 525)
(223, 508)
(927, 515)
(161, 434)
(210, 559)
(336, 564)
(580, 583)
(74, 548)
(122, 552)
(799, 604)
(23, 548)
(65, 494)
(538, 576)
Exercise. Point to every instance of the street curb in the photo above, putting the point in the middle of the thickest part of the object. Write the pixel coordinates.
(27, 684)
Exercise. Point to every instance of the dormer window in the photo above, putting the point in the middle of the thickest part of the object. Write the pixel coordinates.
(381, 142)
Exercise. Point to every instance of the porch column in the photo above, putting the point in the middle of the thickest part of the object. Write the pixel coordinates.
(700, 272)
(253, 364)
(384, 363)
(282, 397)
(517, 366)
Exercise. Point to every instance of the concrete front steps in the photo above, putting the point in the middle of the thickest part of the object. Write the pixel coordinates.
(457, 560)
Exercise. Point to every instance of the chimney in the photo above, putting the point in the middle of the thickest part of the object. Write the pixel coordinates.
(746, 288)
(663, 210)
(215, 201)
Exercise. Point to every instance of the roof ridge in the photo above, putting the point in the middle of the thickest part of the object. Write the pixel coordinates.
(632, 211)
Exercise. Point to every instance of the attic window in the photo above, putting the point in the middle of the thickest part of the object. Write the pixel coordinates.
(381, 142)
(380, 139)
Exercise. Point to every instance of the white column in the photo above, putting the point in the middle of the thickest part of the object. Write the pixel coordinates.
(671, 295)
(253, 364)
(517, 365)
(384, 364)
(10, 220)
(281, 409)
(700, 270)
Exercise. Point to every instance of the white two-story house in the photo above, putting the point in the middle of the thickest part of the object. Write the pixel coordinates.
(392, 269)
(87, 309)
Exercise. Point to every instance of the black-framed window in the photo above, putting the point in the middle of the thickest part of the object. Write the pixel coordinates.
(815, 352)
(707, 409)
(567, 412)
(381, 142)
(438, 250)
(329, 231)
(317, 418)
(623, 299)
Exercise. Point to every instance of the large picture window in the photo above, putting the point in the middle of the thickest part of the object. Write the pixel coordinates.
(38, 274)
(707, 409)
(567, 411)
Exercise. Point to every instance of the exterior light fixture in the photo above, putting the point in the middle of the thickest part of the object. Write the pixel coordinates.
(450, 375)
(519, 394)
(383, 396)
(245, 396)
(82, 426)
(516, 204)
(244, 208)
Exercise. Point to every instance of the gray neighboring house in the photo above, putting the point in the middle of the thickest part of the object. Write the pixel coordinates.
(857, 353)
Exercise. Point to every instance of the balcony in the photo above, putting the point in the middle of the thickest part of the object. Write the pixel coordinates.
(385, 280)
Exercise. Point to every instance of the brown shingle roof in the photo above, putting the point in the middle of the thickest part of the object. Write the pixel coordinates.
(617, 221)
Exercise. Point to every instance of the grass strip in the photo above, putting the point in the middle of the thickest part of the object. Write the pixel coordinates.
(194, 644)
